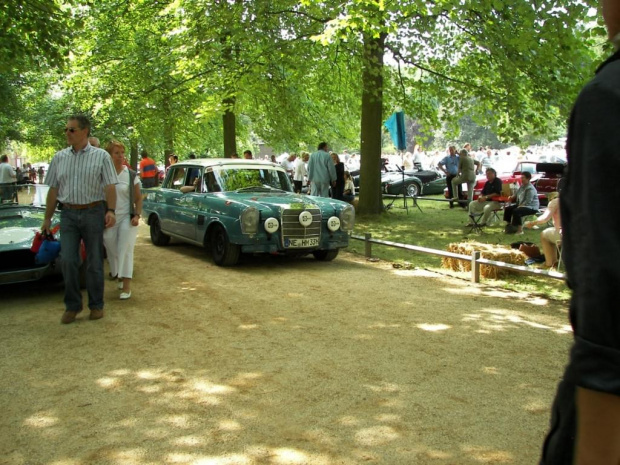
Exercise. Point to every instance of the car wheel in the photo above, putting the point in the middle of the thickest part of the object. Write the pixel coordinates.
(413, 190)
(158, 238)
(224, 253)
(326, 255)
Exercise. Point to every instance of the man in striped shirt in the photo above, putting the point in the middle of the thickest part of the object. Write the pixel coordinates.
(80, 178)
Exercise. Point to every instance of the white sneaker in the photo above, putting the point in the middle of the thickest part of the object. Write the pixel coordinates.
(125, 295)
(120, 284)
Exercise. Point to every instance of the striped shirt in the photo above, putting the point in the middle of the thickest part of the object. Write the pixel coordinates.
(81, 176)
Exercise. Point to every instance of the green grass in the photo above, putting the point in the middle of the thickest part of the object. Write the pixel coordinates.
(436, 227)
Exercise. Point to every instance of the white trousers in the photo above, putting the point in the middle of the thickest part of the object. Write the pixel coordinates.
(119, 241)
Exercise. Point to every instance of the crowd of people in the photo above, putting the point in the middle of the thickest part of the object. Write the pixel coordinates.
(321, 173)
(13, 177)
(502, 160)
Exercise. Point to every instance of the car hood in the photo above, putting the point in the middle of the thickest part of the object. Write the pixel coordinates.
(18, 225)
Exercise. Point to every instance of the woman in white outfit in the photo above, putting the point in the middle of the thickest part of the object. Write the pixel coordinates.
(120, 239)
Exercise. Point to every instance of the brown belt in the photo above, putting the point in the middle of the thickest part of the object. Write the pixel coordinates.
(73, 206)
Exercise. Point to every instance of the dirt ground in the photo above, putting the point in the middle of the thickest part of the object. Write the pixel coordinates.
(278, 362)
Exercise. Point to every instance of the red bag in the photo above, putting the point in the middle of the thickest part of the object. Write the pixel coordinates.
(40, 236)
(531, 251)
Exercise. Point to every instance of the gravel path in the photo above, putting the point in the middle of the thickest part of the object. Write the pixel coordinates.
(278, 362)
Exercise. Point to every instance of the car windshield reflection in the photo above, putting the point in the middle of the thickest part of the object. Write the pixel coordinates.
(250, 179)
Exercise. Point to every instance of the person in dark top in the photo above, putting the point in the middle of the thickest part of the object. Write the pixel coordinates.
(485, 204)
(338, 189)
(585, 418)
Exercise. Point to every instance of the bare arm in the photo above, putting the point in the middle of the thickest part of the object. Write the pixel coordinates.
(110, 198)
(50, 208)
(137, 195)
(542, 219)
(598, 428)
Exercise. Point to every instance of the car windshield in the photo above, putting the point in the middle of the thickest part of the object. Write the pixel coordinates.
(528, 167)
(252, 179)
(29, 194)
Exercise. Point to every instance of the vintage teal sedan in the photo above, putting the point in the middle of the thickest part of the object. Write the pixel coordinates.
(233, 206)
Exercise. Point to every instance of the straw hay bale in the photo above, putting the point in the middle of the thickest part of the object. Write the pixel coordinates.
(489, 251)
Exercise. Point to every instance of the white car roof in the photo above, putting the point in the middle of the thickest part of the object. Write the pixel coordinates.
(229, 163)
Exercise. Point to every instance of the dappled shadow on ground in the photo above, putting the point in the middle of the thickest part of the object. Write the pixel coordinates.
(179, 416)
(280, 362)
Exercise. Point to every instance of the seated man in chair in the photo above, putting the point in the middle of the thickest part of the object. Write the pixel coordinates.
(550, 236)
(485, 204)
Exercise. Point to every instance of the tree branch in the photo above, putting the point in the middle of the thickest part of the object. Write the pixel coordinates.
(402, 58)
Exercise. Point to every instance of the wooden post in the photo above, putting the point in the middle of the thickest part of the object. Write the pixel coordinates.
(368, 245)
(475, 266)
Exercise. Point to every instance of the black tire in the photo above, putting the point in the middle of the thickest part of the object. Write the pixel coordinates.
(326, 255)
(158, 238)
(224, 253)
(413, 189)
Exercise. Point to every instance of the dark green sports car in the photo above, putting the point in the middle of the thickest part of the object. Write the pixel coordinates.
(413, 183)
(18, 226)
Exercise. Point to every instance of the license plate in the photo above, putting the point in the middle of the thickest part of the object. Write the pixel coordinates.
(301, 243)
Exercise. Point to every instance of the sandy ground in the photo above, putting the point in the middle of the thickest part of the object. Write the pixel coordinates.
(278, 362)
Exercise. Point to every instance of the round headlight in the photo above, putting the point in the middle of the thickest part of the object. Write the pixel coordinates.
(347, 218)
(333, 223)
(271, 225)
(305, 219)
(249, 220)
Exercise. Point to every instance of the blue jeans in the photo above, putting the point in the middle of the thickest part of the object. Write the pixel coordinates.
(86, 225)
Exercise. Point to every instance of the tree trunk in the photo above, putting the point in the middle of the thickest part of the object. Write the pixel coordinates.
(133, 152)
(230, 129)
(168, 130)
(371, 199)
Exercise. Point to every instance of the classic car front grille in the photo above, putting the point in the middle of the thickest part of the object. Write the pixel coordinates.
(292, 228)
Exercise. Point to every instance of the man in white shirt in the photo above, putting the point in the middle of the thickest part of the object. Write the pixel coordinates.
(300, 171)
(289, 164)
(8, 179)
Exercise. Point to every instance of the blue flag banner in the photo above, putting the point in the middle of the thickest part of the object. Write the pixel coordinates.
(396, 126)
